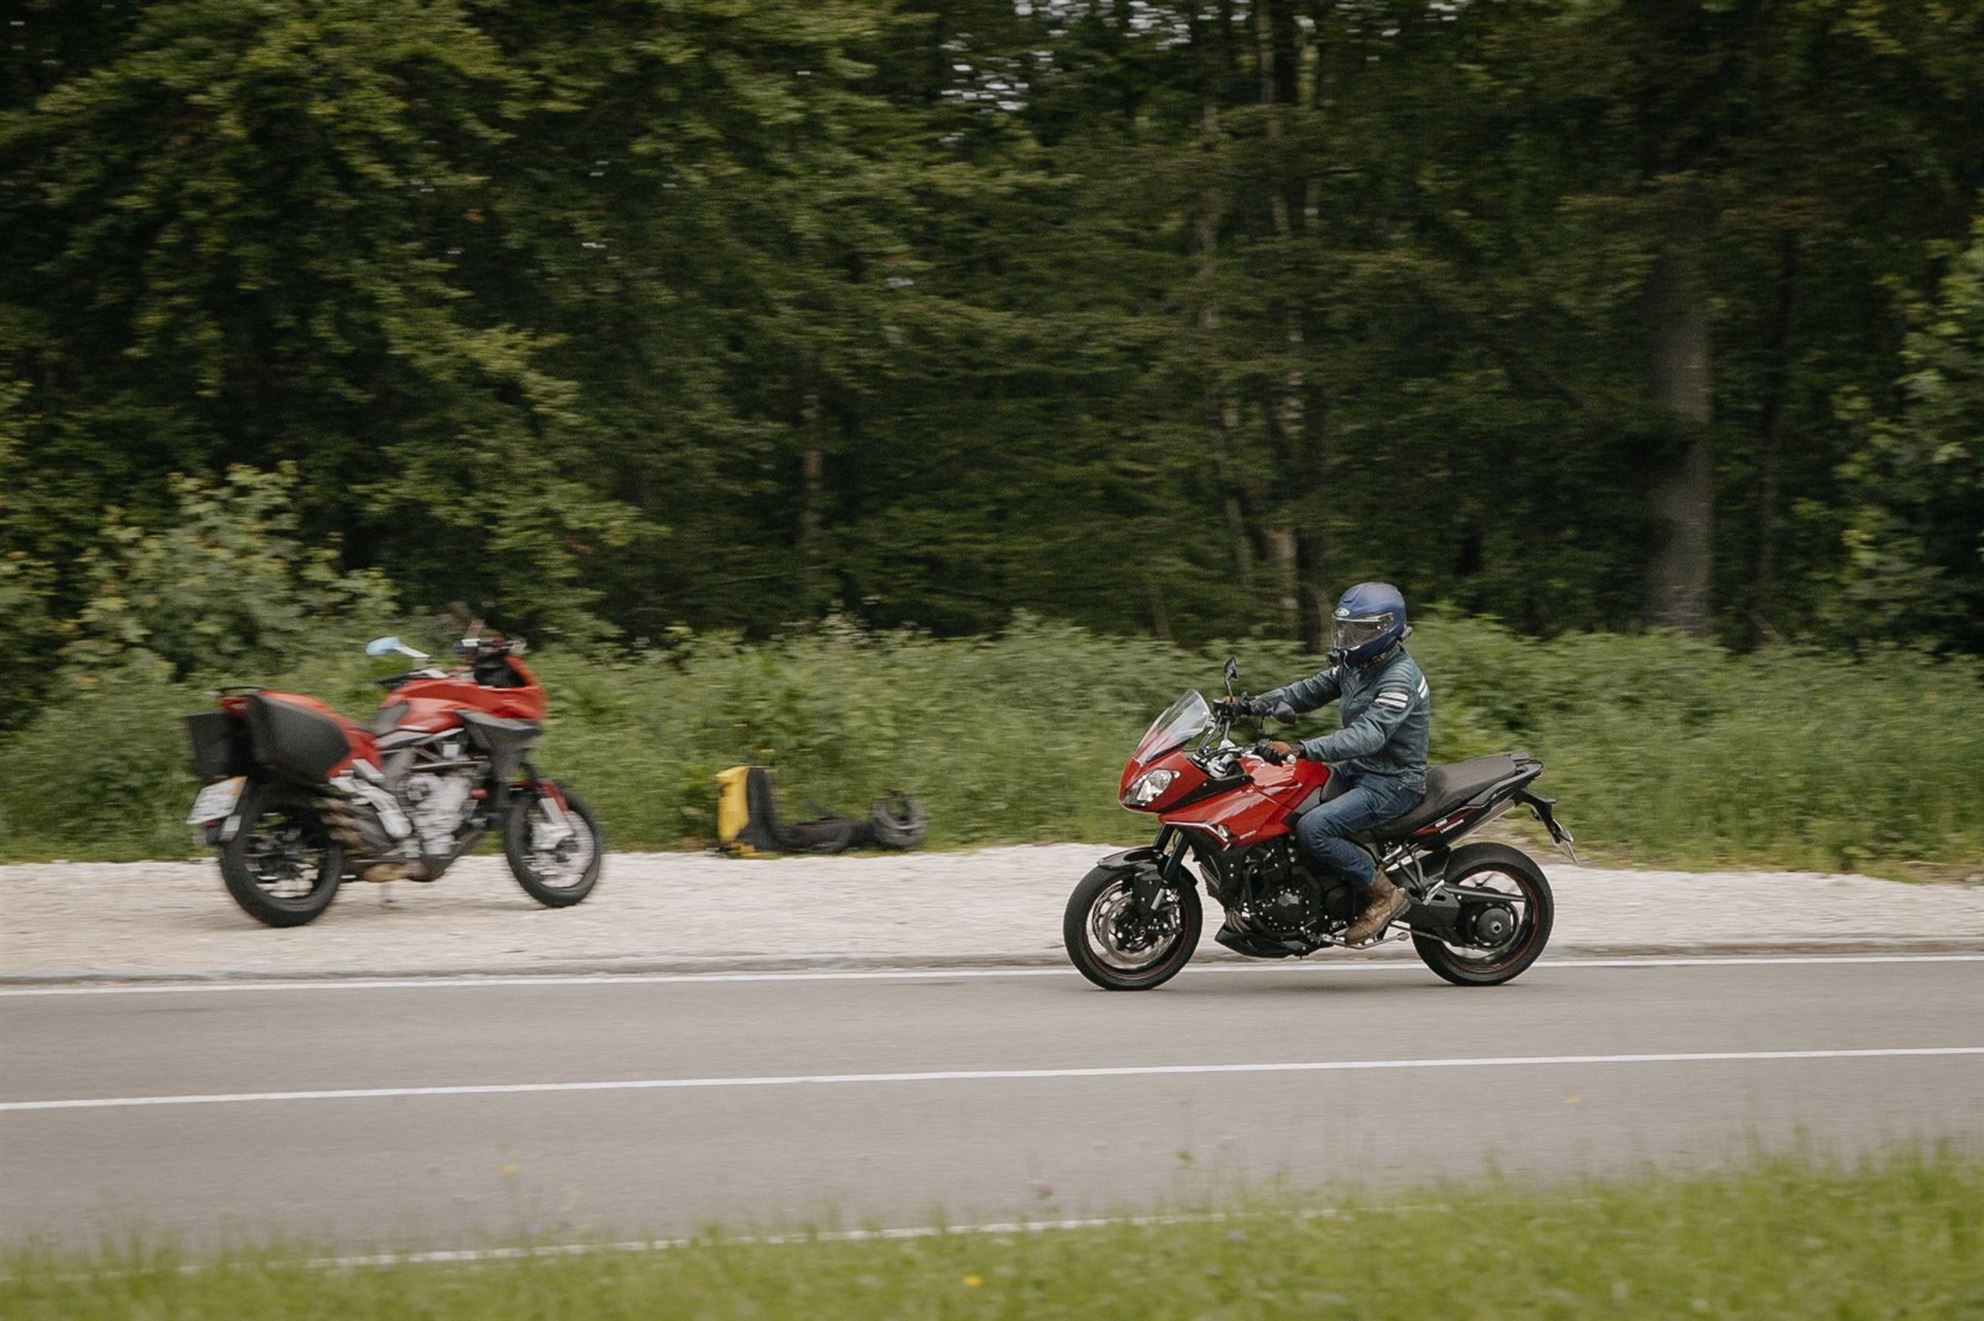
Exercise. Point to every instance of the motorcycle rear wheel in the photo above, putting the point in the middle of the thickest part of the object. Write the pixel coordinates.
(1090, 930)
(280, 867)
(559, 876)
(1515, 873)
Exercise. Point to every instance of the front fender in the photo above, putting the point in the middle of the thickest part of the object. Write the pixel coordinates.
(1131, 859)
(1149, 868)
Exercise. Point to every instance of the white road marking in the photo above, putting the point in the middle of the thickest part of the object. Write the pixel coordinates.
(472, 1256)
(543, 1251)
(471, 981)
(976, 1075)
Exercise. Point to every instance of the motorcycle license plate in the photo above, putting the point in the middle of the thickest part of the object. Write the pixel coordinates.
(215, 801)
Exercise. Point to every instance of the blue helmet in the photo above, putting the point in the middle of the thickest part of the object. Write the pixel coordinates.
(1369, 621)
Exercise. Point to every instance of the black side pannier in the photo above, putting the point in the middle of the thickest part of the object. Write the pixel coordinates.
(220, 745)
(294, 741)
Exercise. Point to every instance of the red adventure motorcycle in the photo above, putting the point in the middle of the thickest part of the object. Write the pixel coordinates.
(300, 799)
(1480, 913)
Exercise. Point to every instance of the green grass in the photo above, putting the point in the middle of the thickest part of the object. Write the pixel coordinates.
(1660, 749)
(1899, 1238)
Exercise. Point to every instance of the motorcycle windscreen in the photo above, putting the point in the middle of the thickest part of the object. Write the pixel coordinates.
(1185, 719)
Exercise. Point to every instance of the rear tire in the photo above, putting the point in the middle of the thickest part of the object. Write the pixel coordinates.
(1473, 865)
(561, 876)
(1089, 924)
(280, 867)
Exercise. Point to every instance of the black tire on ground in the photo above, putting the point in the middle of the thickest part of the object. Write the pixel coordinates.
(1473, 864)
(280, 866)
(580, 857)
(1104, 888)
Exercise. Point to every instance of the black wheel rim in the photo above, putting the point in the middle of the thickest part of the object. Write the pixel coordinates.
(283, 851)
(1512, 892)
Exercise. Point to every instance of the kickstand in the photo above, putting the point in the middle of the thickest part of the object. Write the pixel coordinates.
(386, 896)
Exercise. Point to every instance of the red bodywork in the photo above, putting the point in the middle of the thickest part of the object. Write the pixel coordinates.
(432, 705)
(1249, 811)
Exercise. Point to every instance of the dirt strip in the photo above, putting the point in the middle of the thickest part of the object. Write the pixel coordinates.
(688, 912)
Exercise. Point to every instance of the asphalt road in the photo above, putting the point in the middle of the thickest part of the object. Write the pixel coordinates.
(347, 1116)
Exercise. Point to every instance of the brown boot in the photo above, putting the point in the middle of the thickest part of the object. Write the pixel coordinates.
(1385, 903)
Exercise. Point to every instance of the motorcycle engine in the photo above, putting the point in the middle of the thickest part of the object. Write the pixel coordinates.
(1291, 908)
(437, 805)
(1288, 901)
(1294, 899)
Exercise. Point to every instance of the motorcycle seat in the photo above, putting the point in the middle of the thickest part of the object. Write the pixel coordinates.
(1452, 786)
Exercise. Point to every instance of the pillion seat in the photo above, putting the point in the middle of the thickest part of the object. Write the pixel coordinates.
(1456, 784)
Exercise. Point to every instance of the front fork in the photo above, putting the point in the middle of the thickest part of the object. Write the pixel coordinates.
(557, 818)
(1148, 883)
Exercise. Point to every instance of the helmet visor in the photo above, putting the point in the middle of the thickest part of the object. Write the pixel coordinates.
(1350, 634)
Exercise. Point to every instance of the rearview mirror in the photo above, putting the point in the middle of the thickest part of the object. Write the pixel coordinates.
(388, 646)
(1232, 672)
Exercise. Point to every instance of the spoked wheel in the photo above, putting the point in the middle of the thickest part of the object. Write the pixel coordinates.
(1505, 915)
(554, 854)
(280, 866)
(1121, 949)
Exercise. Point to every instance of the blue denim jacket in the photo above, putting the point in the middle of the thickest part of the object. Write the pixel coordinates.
(1387, 716)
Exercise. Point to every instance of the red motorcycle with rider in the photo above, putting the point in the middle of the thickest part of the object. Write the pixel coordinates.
(300, 799)
(1330, 843)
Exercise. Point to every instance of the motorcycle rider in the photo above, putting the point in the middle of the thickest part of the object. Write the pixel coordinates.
(1380, 753)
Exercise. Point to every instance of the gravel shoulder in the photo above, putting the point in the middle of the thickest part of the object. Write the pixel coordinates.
(670, 911)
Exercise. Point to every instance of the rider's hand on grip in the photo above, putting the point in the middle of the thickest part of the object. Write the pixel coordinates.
(1233, 708)
(1276, 751)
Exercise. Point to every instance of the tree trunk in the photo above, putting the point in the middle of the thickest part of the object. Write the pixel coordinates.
(1273, 35)
(812, 473)
(1286, 549)
(1222, 410)
(1777, 390)
(1681, 496)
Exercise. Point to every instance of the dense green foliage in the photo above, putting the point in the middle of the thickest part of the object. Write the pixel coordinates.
(1661, 750)
(613, 317)
(1902, 1237)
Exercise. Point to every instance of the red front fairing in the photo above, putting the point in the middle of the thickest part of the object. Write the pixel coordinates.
(1249, 812)
(432, 704)
(1253, 812)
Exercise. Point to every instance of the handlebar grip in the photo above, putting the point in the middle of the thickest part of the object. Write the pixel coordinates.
(1264, 749)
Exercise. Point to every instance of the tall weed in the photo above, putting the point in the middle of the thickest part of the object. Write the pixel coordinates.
(1661, 749)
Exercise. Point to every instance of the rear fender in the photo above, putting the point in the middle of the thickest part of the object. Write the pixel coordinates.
(1545, 809)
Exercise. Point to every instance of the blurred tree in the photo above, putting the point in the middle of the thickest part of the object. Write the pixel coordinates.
(1169, 318)
(1915, 528)
(224, 586)
(235, 238)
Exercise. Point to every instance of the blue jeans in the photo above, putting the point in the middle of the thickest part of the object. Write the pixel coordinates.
(1371, 800)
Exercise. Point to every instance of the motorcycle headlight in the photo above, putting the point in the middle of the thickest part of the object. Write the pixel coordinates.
(1148, 788)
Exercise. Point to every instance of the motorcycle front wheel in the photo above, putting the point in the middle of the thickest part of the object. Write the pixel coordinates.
(1121, 950)
(281, 866)
(558, 868)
